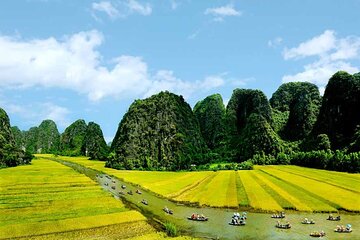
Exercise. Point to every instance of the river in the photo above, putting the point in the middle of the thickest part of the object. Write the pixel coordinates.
(258, 225)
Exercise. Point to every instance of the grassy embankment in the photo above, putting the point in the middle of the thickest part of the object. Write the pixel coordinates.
(267, 188)
(47, 200)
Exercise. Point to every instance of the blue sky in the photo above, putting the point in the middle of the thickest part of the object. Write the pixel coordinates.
(65, 60)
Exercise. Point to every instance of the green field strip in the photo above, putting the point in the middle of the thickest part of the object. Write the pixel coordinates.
(51, 190)
(51, 196)
(177, 183)
(194, 194)
(334, 196)
(258, 197)
(18, 230)
(58, 214)
(280, 187)
(305, 197)
(342, 181)
(191, 186)
(268, 187)
(242, 197)
(50, 206)
(231, 194)
(216, 192)
(114, 231)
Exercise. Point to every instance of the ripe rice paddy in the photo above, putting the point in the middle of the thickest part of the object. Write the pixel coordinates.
(47, 200)
(267, 188)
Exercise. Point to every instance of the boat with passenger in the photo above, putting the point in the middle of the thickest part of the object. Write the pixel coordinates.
(198, 217)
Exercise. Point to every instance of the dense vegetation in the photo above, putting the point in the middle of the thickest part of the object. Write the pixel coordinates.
(210, 114)
(298, 103)
(80, 139)
(10, 154)
(94, 142)
(160, 132)
(339, 114)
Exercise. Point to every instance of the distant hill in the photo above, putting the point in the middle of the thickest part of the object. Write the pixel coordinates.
(10, 154)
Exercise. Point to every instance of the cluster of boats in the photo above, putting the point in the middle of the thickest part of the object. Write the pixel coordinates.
(238, 219)
(339, 229)
(342, 229)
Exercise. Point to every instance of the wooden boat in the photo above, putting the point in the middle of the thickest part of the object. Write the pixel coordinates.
(342, 229)
(197, 217)
(240, 223)
(308, 222)
(283, 226)
(317, 234)
(331, 218)
(281, 215)
(346, 230)
(167, 210)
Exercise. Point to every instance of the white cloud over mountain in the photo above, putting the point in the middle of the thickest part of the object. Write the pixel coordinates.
(73, 62)
(327, 53)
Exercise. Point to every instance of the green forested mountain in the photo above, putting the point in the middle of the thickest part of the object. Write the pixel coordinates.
(247, 111)
(160, 132)
(42, 139)
(73, 139)
(296, 106)
(94, 142)
(48, 137)
(10, 154)
(210, 114)
(339, 114)
(18, 137)
(31, 140)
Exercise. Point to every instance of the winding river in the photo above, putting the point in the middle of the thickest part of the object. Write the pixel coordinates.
(258, 225)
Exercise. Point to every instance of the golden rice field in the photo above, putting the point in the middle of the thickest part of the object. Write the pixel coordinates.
(266, 188)
(47, 200)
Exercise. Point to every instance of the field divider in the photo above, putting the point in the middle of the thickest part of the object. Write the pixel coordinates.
(332, 204)
(316, 179)
(243, 200)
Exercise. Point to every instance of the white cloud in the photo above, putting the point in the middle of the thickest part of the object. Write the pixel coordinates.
(121, 9)
(224, 11)
(34, 113)
(332, 54)
(275, 42)
(74, 63)
(316, 46)
(56, 113)
(165, 80)
(106, 7)
(143, 9)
